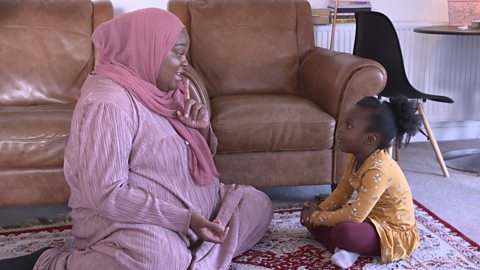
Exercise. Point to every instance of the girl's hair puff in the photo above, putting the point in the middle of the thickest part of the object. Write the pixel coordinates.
(396, 119)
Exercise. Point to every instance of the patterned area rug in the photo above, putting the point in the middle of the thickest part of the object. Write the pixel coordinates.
(288, 245)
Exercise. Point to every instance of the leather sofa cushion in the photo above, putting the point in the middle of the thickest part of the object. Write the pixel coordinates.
(34, 136)
(45, 50)
(246, 123)
(255, 47)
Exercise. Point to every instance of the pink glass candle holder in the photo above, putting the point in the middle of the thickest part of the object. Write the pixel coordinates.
(463, 12)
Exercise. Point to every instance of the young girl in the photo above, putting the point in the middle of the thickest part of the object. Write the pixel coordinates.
(371, 211)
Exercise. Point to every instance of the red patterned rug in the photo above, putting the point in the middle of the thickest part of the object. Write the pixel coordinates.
(288, 245)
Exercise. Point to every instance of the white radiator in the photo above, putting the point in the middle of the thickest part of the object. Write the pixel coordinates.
(435, 64)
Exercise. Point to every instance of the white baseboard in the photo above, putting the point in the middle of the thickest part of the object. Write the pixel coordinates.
(452, 130)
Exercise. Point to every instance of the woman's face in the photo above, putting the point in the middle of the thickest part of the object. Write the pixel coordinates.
(176, 59)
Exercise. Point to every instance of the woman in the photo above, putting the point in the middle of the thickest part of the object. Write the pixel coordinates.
(143, 183)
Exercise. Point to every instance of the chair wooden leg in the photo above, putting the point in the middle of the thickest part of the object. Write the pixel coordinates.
(396, 157)
(436, 149)
(397, 153)
(390, 151)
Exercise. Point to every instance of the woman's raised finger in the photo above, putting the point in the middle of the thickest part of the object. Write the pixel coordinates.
(194, 111)
(188, 107)
(187, 89)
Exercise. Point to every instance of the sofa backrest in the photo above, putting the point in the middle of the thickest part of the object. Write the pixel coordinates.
(247, 46)
(45, 50)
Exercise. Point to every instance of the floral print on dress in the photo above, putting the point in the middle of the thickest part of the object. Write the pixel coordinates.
(378, 177)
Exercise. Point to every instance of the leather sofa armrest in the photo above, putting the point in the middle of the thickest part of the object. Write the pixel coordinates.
(102, 12)
(198, 91)
(336, 81)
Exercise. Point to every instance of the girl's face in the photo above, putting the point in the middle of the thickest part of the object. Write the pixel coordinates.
(173, 64)
(353, 137)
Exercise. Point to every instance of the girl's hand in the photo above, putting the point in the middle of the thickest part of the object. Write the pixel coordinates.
(211, 231)
(195, 114)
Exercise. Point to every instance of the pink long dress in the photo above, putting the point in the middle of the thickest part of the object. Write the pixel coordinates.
(132, 193)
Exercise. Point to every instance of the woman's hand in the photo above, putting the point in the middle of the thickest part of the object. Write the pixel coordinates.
(212, 231)
(306, 215)
(195, 114)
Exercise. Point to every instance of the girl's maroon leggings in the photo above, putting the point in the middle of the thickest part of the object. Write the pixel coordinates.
(361, 238)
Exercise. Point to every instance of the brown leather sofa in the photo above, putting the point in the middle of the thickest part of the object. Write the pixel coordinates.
(45, 55)
(276, 100)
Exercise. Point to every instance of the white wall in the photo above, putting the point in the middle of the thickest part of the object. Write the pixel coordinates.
(405, 10)
(413, 10)
(397, 10)
(122, 6)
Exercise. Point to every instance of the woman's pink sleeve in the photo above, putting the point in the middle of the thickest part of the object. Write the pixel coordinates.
(103, 141)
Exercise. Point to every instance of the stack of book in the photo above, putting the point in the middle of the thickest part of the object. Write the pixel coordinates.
(346, 9)
(321, 15)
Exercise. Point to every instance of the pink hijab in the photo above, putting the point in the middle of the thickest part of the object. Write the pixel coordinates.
(132, 48)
